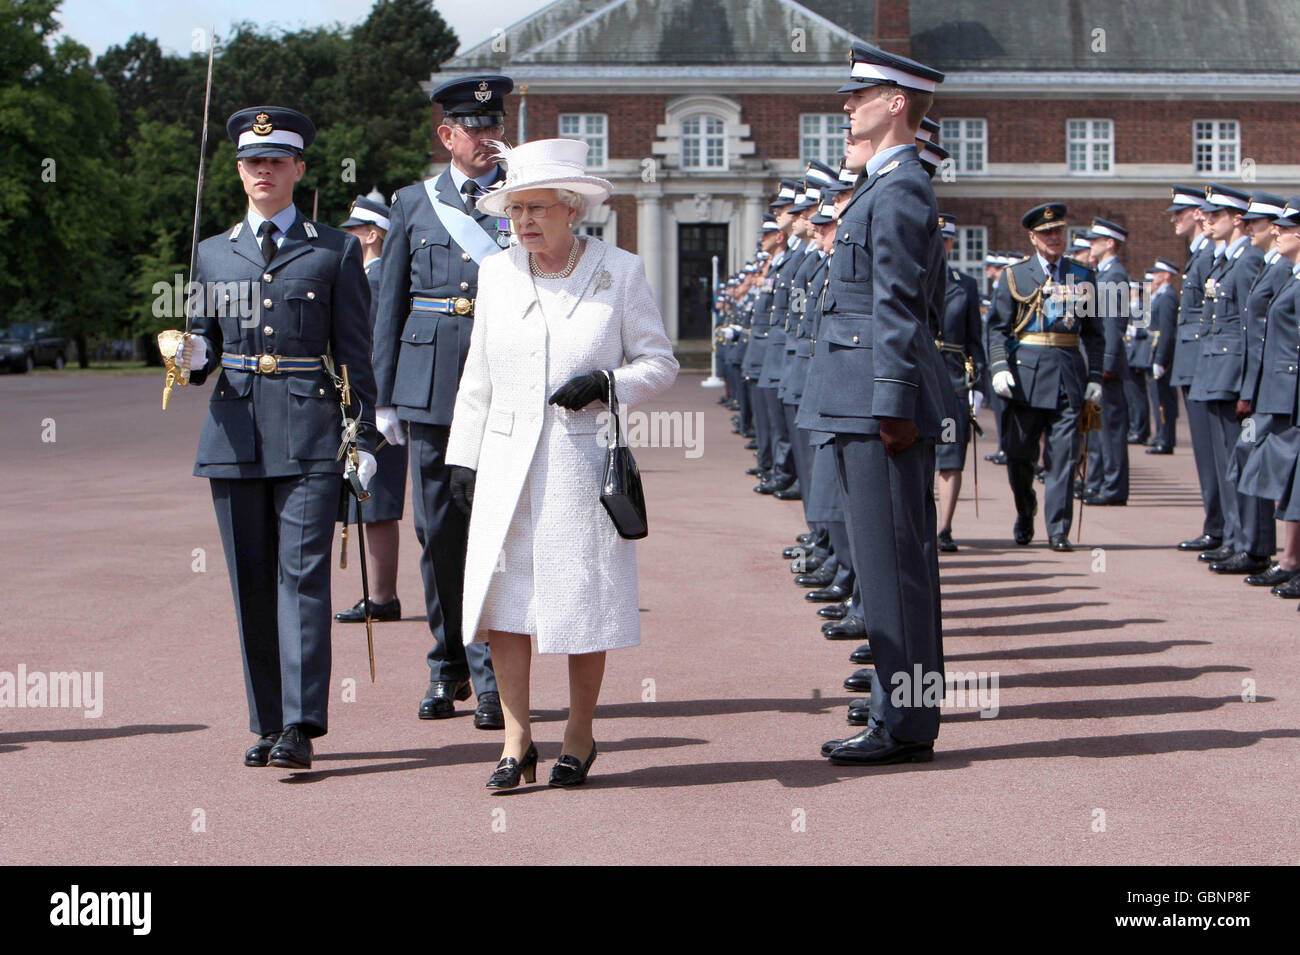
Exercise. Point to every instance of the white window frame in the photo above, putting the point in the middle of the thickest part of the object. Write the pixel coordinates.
(822, 132)
(1092, 144)
(1224, 151)
(709, 143)
(962, 258)
(967, 139)
(592, 129)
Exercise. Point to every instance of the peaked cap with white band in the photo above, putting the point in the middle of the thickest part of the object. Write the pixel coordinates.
(269, 131)
(874, 67)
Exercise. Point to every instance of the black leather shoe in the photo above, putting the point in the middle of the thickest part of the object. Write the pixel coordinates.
(751, 445)
(946, 543)
(1023, 530)
(818, 578)
(834, 612)
(1061, 542)
(875, 747)
(827, 595)
(438, 699)
(807, 540)
(754, 470)
(850, 628)
(1137, 439)
(510, 770)
(1290, 590)
(379, 613)
(831, 745)
(810, 563)
(1241, 563)
(260, 752)
(292, 750)
(859, 681)
(1097, 500)
(858, 715)
(1204, 542)
(793, 551)
(488, 715)
(1040, 474)
(997, 457)
(1272, 577)
(771, 487)
(792, 493)
(1078, 493)
(567, 772)
(862, 655)
(1219, 553)
(1160, 449)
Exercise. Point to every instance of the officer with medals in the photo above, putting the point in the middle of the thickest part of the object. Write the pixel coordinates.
(271, 443)
(1162, 306)
(884, 397)
(1040, 319)
(422, 331)
(368, 221)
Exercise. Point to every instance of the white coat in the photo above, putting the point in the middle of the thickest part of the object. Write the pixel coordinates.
(584, 574)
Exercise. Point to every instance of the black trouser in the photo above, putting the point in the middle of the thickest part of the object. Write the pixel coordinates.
(1108, 448)
(1198, 424)
(1139, 408)
(1022, 431)
(443, 533)
(277, 534)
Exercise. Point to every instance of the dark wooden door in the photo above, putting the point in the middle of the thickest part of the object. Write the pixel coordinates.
(696, 247)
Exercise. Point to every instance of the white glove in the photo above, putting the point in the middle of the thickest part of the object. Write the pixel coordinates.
(366, 468)
(194, 354)
(976, 401)
(390, 426)
(1158, 370)
(1093, 392)
(1003, 382)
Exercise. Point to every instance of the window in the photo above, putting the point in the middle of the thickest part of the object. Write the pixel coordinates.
(1216, 145)
(590, 128)
(821, 138)
(704, 145)
(968, 252)
(967, 140)
(595, 231)
(1090, 143)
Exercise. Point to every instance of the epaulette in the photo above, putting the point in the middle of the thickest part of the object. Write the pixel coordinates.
(310, 228)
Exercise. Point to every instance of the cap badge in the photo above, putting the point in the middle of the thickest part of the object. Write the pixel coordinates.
(482, 94)
(1048, 214)
(262, 124)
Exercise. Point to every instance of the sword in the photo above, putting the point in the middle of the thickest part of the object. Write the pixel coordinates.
(172, 343)
(353, 481)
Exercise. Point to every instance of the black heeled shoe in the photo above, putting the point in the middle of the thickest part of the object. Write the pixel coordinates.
(567, 772)
(509, 770)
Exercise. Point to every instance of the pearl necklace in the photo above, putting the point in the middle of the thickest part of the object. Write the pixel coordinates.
(565, 272)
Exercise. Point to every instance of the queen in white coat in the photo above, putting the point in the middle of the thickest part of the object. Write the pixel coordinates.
(528, 439)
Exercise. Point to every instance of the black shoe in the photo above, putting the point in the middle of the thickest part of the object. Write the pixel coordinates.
(1098, 500)
(1204, 542)
(834, 612)
(998, 457)
(487, 715)
(751, 445)
(792, 493)
(1289, 590)
(260, 752)
(827, 595)
(795, 550)
(567, 772)
(875, 747)
(1061, 542)
(1040, 474)
(754, 470)
(292, 750)
(859, 680)
(807, 540)
(946, 543)
(850, 628)
(831, 745)
(811, 562)
(509, 770)
(1241, 563)
(437, 703)
(771, 487)
(1160, 449)
(1219, 553)
(1023, 530)
(862, 655)
(1137, 439)
(818, 578)
(1272, 577)
(379, 613)
(859, 714)
(1078, 493)
(750, 433)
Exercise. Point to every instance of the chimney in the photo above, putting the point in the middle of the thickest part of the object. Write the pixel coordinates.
(894, 26)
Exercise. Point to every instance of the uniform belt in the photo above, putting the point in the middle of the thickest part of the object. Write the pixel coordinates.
(948, 346)
(269, 364)
(447, 306)
(1058, 339)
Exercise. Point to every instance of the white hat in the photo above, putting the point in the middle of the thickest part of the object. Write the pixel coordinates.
(545, 164)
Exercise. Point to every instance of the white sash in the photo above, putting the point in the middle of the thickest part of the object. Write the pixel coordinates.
(469, 235)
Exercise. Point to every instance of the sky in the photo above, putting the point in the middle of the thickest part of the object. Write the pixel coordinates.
(100, 24)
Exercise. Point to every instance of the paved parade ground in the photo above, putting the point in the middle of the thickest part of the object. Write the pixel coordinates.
(1124, 728)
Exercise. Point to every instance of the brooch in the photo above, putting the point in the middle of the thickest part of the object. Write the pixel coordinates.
(603, 280)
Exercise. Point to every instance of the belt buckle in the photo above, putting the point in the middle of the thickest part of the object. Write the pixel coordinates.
(268, 364)
(462, 306)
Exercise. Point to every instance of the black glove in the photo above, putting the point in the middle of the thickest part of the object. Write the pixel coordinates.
(462, 488)
(577, 393)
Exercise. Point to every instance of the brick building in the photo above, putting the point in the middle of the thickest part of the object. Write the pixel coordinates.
(695, 108)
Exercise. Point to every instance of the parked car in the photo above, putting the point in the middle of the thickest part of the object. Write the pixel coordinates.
(24, 345)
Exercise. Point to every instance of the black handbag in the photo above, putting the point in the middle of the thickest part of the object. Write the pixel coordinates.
(621, 491)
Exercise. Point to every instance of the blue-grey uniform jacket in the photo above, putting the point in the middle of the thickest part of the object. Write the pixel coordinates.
(1222, 363)
(1274, 389)
(1268, 283)
(419, 353)
(1042, 372)
(1191, 310)
(310, 301)
(1163, 326)
(962, 331)
(798, 306)
(1113, 310)
(796, 377)
(760, 319)
(882, 307)
(774, 352)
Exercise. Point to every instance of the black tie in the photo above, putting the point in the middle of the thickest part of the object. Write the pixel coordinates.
(471, 190)
(268, 244)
